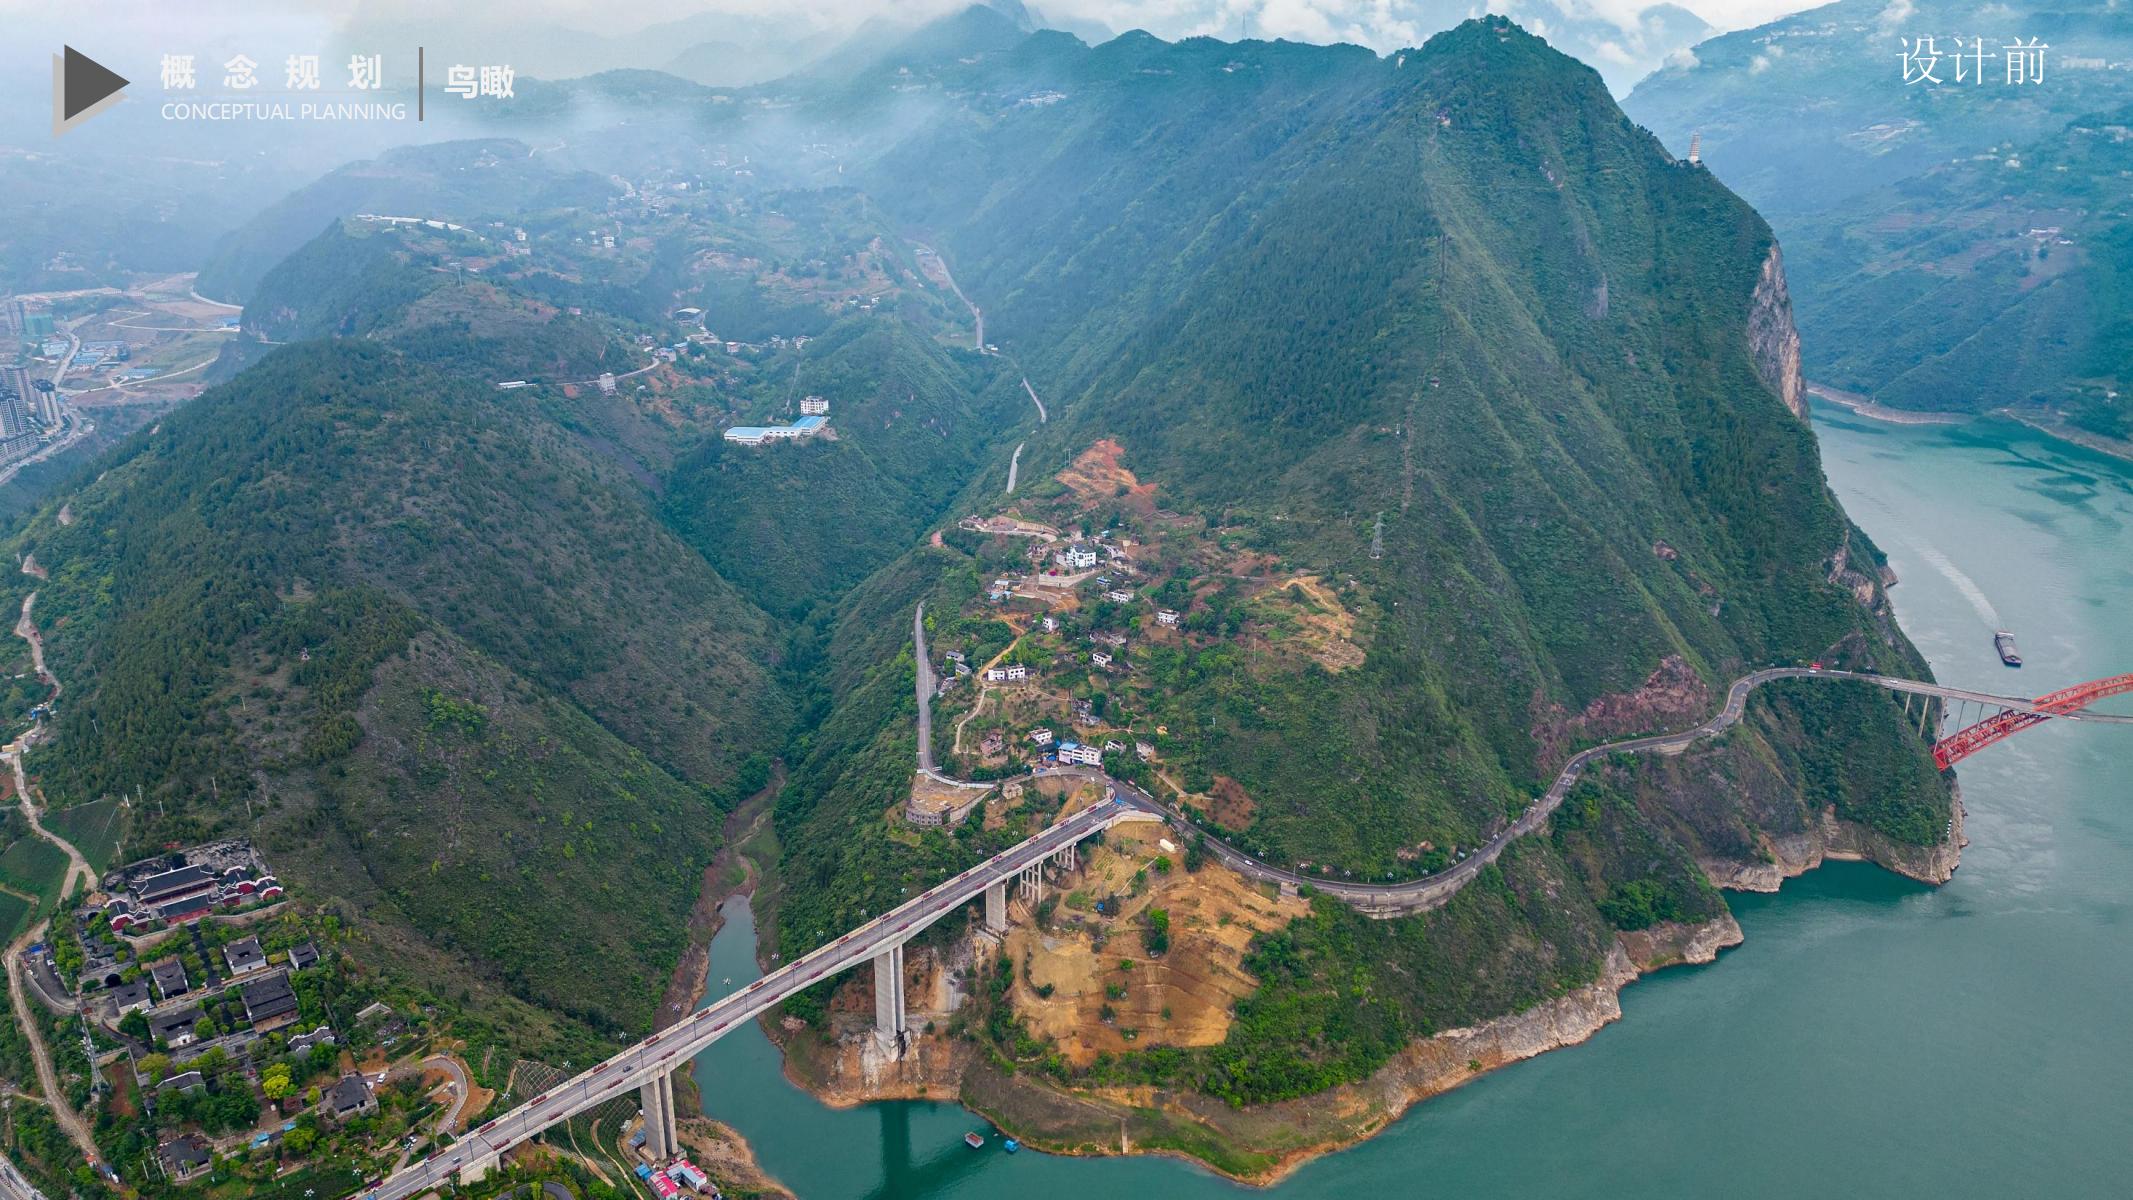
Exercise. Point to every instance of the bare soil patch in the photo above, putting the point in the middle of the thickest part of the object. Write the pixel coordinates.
(1075, 985)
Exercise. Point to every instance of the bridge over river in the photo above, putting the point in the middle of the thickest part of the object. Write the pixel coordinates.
(647, 1067)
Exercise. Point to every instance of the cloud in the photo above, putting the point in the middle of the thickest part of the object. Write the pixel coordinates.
(1683, 59)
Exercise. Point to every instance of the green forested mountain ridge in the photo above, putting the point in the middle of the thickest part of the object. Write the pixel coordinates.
(1805, 113)
(1441, 329)
(1951, 290)
(1455, 288)
(801, 526)
(1955, 247)
(440, 648)
(449, 180)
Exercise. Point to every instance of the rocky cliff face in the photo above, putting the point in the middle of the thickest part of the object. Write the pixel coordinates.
(1793, 854)
(1772, 338)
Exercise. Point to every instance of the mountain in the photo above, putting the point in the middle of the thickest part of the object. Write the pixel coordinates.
(1807, 112)
(1458, 423)
(1915, 216)
(1954, 290)
(1463, 421)
(467, 179)
(418, 637)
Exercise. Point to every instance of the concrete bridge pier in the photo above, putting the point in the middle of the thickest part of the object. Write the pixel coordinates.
(889, 1000)
(996, 907)
(656, 1097)
(478, 1169)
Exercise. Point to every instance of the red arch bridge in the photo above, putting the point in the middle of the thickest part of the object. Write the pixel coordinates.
(1997, 719)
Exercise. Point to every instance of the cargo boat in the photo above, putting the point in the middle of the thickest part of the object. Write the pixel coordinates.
(975, 1141)
(2003, 642)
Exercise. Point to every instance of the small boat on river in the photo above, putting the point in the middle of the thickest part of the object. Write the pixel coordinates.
(2003, 642)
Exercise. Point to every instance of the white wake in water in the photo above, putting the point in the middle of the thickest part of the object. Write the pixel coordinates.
(1963, 584)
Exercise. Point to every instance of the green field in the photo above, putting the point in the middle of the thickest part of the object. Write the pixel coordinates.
(14, 914)
(34, 867)
(94, 829)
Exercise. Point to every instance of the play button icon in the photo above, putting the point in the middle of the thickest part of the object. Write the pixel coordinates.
(81, 88)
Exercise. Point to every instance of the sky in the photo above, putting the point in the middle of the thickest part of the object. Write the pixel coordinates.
(1381, 24)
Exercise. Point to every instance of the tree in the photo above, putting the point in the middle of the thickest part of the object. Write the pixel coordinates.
(154, 1066)
(277, 1082)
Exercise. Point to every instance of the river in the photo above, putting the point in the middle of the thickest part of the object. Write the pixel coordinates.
(1873, 1037)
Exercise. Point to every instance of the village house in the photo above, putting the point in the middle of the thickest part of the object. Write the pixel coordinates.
(176, 1028)
(245, 956)
(185, 1157)
(129, 997)
(1076, 754)
(1076, 558)
(303, 1043)
(1040, 737)
(169, 977)
(1011, 673)
(1051, 624)
(1143, 751)
(184, 1083)
(302, 955)
(1119, 596)
(350, 1098)
(1100, 659)
(1168, 616)
(269, 1003)
(994, 742)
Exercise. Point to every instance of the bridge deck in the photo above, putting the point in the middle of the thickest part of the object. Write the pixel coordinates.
(669, 1048)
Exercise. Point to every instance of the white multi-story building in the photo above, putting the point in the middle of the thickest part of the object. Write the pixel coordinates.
(1079, 755)
(811, 406)
(1168, 616)
(1040, 737)
(1076, 558)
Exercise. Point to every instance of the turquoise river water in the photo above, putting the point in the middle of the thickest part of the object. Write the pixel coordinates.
(1873, 1037)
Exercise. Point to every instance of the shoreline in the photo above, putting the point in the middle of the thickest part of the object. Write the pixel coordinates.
(1864, 407)
(2058, 431)
(1349, 1114)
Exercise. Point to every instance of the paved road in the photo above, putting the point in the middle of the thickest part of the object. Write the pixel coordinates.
(78, 871)
(13, 1186)
(1041, 417)
(924, 674)
(1396, 899)
(74, 427)
(672, 1047)
(668, 1049)
(1014, 466)
(977, 315)
(47, 1078)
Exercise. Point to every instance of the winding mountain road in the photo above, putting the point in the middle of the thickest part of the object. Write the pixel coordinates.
(78, 871)
(1418, 895)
